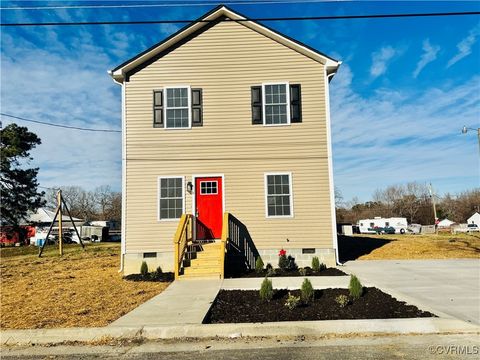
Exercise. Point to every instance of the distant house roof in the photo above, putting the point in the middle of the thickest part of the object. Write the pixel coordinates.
(445, 223)
(138, 62)
(46, 216)
(474, 219)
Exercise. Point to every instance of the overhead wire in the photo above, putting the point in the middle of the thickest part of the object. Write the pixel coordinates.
(335, 17)
(60, 125)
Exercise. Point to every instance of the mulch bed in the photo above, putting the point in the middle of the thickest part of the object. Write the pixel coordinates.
(288, 273)
(245, 306)
(154, 277)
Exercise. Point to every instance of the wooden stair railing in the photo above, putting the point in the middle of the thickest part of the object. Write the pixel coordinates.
(224, 242)
(183, 236)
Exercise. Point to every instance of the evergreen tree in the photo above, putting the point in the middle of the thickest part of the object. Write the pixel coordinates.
(18, 183)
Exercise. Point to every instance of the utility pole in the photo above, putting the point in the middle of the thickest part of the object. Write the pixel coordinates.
(432, 195)
(60, 228)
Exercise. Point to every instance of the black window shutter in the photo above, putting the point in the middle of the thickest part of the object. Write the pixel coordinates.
(257, 105)
(157, 108)
(295, 103)
(197, 111)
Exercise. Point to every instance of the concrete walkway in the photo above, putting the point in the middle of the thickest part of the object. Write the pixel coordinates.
(183, 302)
(449, 286)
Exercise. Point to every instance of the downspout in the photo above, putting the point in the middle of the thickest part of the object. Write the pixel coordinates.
(124, 158)
(327, 79)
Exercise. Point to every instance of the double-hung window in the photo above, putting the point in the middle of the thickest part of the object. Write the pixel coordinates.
(171, 198)
(177, 108)
(278, 193)
(276, 104)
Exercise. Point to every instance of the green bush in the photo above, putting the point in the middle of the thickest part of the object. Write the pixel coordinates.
(266, 290)
(302, 271)
(159, 270)
(355, 288)
(342, 300)
(271, 272)
(144, 269)
(268, 266)
(259, 265)
(323, 267)
(283, 262)
(315, 264)
(292, 301)
(292, 265)
(306, 292)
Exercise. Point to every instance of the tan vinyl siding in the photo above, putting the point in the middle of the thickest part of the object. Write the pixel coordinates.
(225, 61)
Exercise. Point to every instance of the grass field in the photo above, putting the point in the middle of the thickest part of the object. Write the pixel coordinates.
(432, 246)
(80, 289)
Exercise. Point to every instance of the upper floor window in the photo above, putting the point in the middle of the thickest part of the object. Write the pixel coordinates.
(177, 108)
(276, 104)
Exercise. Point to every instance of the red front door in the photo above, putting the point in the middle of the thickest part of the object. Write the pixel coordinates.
(209, 207)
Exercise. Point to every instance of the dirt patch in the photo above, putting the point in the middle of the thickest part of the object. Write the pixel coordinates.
(239, 306)
(294, 273)
(397, 247)
(80, 289)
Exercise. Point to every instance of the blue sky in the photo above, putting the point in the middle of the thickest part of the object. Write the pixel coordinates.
(405, 88)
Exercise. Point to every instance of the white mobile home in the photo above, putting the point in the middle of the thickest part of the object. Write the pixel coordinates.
(367, 226)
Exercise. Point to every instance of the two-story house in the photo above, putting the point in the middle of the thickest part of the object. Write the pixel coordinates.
(227, 123)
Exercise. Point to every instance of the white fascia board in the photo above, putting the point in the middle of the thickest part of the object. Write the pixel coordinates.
(119, 75)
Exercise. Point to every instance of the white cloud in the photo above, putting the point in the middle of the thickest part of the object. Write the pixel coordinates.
(465, 46)
(381, 59)
(429, 54)
(399, 136)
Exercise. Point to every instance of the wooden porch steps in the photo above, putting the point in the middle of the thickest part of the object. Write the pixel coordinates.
(203, 260)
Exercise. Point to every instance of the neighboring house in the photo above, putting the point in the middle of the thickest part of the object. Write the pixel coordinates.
(474, 219)
(226, 116)
(445, 223)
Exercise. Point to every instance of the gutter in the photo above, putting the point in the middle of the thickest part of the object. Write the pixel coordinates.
(328, 78)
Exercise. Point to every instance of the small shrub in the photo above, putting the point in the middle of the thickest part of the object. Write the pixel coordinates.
(271, 272)
(292, 265)
(302, 271)
(266, 290)
(315, 264)
(292, 301)
(283, 262)
(306, 292)
(159, 271)
(323, 267)
(268, 267)
(355, 288)
(259, 265)
(342, 300)
(144, 269)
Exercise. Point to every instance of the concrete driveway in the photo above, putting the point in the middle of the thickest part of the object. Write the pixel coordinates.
(451, 287)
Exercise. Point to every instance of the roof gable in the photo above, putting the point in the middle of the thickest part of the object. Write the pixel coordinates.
(122, 72)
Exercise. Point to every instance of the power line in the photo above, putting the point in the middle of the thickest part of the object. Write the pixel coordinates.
(59, 125)
(340, 17)
(119, 6)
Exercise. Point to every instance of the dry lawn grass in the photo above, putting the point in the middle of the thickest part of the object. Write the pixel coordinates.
(81, 289)
(441, 246)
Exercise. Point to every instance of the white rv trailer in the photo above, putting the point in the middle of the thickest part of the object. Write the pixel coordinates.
(367, 226)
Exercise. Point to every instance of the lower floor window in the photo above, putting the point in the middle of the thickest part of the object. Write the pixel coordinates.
(279, 195)
(171, 195)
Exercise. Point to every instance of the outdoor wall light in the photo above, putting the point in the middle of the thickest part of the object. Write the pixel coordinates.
(189, 187)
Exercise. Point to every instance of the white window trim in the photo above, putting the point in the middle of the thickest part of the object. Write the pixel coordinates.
(165, 107)
(287, 89)
(290, 183)
(158, 196)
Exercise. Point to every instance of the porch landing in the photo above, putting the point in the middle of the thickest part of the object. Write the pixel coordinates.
(183, 302)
